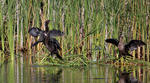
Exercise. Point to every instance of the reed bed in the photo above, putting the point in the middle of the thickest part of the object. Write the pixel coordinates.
(86, 23)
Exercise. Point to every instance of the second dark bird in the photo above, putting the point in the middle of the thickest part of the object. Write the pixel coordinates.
(124, 48)
(47, 37)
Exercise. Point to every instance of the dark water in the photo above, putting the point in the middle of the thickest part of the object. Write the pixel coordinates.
(22, 72)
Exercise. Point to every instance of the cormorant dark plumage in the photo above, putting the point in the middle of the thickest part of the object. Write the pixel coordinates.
(35, 32)
(47, 38)
(53, 46)
(124, 48)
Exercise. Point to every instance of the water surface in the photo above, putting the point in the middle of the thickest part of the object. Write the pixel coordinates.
(22, 72)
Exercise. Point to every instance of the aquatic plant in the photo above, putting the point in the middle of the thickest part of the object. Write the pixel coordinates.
(86, 25)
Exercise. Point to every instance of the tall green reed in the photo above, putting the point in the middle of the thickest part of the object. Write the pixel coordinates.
(86, 24)
(10, 28)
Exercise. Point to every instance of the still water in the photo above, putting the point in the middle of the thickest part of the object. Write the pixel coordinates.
(22, 72)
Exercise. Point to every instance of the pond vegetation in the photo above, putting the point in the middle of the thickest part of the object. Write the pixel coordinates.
(86, 24)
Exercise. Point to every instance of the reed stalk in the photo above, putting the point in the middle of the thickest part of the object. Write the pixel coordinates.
(86, 24)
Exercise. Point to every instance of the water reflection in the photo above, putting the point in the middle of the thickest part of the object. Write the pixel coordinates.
(133, 74)
(53, 78)
(22, 72)
(125, 77)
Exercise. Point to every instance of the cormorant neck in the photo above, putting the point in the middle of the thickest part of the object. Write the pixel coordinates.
(46, 25)
(121, 39)
(46, 28)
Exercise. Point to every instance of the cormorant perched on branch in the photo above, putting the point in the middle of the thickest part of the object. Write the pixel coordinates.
(124, 48)
(47, 38)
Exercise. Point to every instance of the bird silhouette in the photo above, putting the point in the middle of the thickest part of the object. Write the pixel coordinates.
(47, 37)
(125, 77)
(124, 48)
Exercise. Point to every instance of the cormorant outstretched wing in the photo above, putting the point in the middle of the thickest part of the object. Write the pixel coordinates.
(41, 39)
(134, 44)
(34, 31)
(55, 33)
(112, 41)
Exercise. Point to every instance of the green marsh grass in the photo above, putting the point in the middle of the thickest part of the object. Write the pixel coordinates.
(86, 25)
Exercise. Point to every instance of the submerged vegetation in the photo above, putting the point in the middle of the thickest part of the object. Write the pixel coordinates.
(86, 23)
